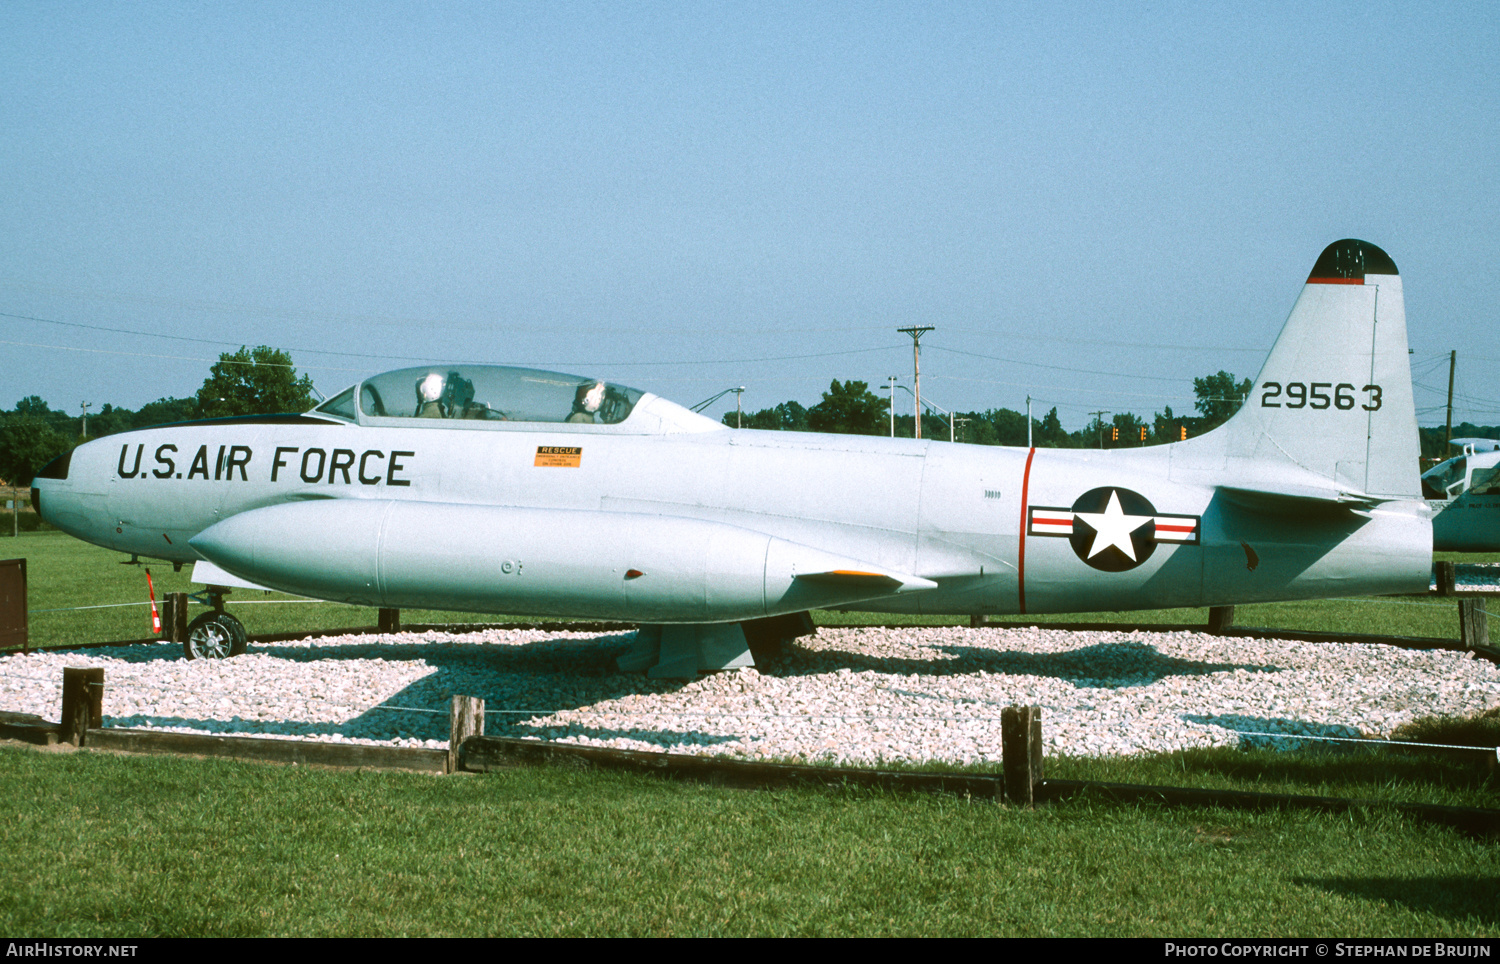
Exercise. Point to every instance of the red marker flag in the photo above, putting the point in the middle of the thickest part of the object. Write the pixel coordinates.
(155, 616)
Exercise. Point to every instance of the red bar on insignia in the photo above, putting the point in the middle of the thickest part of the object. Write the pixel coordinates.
(1175, 530)
(1051, 522)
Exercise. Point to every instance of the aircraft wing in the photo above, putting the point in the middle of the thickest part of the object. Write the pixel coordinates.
(208, 574)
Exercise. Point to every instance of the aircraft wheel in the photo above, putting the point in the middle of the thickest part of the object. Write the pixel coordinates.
(237, 628)
(214, 635)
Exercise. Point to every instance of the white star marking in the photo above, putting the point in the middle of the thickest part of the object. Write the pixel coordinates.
(1113, 527)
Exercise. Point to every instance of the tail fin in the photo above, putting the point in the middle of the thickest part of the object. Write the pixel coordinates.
(1331, 414)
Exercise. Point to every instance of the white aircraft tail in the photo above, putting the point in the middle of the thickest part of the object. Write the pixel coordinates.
(1331, 415)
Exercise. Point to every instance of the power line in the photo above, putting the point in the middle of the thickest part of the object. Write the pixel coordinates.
(1058, 368)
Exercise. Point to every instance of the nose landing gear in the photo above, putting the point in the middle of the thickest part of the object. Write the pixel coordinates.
(216, 634)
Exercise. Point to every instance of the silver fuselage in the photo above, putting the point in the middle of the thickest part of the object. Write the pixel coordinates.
(953, 514)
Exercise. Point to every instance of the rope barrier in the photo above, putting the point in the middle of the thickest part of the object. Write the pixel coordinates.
(1367, 741)
(237, 602)
(71, 609)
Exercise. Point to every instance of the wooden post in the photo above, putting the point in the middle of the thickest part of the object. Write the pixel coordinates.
(1036, 748)
(465, 719)
(82, 702)
(1021, 752)
(1447, 575)
(176, 626)
(14, 628)
(1473, 627)
(1220, 618)
(389, 621)
(978, 620)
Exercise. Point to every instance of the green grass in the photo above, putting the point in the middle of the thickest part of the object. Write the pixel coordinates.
(1364, 615)
(100, 845)
(1481, 729)
(1346, 771)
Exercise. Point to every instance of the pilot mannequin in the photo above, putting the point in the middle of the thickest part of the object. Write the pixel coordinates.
(586, 402)
(429, 390)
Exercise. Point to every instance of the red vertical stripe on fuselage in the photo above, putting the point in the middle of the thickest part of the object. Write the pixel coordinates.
(1021, 555)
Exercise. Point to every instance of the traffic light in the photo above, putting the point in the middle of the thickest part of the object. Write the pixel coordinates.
(1114, 434)
(1183, 430)
(1143, 433)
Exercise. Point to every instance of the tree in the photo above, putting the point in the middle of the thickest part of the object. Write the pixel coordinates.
(849, 408)
(107, 421)
(1166, 427)
(27, 443)
(1009, 426)
(165, 410)
(261, 381)
(1124, 431)
(1051, 434)
(789, 416)
(1219, 396)
(32, 405)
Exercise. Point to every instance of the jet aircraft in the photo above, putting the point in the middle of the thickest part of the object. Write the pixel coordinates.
(1464, 493)
(510, 490)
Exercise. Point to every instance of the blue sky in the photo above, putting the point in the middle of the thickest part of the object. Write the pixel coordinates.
(1092, 204)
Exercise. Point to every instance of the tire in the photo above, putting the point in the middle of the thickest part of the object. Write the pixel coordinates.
(214, 635)
(241, 640)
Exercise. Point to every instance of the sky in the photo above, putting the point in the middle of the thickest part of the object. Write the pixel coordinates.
(1091, 204)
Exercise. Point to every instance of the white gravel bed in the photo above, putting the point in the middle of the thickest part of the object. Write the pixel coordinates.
(855, 695)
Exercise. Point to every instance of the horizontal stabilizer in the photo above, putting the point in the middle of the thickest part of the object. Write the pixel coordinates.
(1291, 497)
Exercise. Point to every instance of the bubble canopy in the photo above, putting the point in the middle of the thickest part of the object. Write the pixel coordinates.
(483, 393)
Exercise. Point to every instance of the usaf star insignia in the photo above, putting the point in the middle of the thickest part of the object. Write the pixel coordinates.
(1113, 529)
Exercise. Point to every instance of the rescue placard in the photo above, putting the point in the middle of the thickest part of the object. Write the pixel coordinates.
(558, 456)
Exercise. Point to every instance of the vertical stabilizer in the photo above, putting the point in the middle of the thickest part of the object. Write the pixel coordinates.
(1331, 413)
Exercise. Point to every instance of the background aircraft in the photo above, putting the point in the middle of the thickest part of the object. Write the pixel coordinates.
(508, 490)
(1464, 493)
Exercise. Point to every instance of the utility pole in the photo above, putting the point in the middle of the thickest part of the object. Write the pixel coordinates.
(738, 423)
(85, 407)
(1028, 422)
(953, 421)
(1099, 419)
(916, 368)
(1448, 432)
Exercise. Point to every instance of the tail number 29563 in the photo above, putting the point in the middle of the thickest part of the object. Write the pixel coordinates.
(1316, 396)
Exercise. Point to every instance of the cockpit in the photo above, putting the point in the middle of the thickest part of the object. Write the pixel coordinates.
(499, 397)
(1473, 471)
